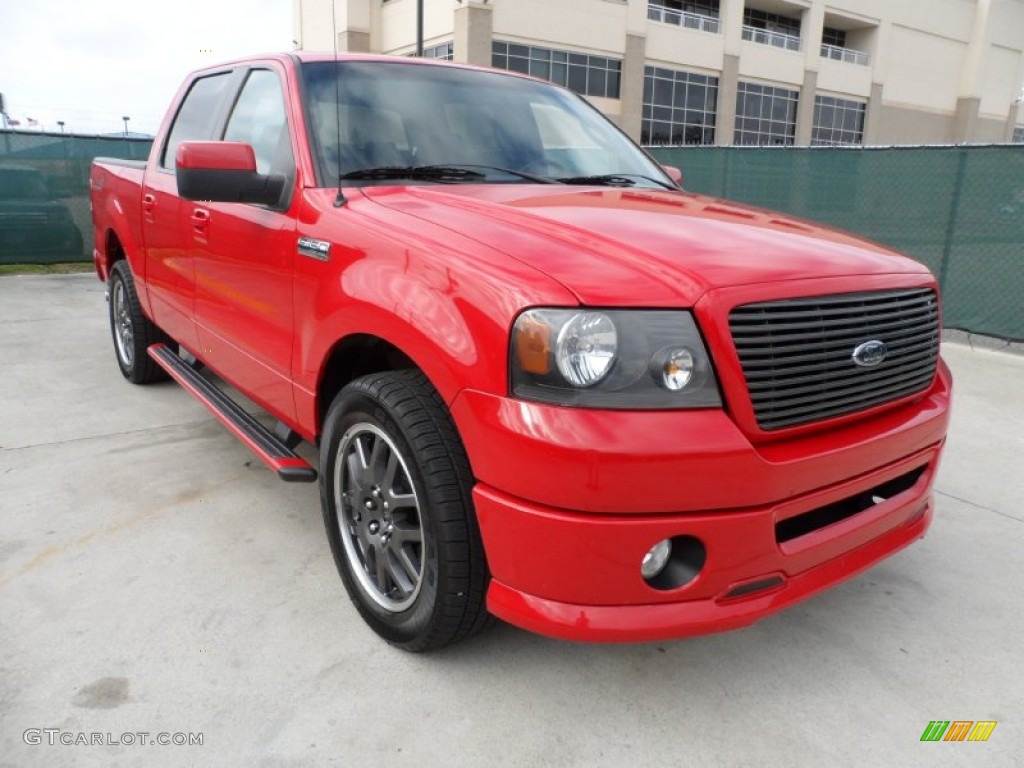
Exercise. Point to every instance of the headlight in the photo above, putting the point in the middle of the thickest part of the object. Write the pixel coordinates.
(643, 359)
(586, 348)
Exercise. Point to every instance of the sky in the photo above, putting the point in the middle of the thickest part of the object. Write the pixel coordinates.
(90, 63)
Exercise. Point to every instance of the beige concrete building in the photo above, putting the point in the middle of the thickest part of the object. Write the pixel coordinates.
(730, 71)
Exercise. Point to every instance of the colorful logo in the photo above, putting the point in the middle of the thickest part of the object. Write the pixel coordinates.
(958, 730)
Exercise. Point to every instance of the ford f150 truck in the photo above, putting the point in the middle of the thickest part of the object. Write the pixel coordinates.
(546, 383)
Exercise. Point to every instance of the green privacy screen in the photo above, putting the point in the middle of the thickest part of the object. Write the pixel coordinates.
(960, 210)
(44, 193)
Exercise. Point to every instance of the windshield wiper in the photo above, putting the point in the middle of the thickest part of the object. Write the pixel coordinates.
(498, 169)
(452, 172)
(465, 172)
(425, 172)
(615, 180)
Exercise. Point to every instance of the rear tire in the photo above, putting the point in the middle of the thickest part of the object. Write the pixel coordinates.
(131, 330)
(396, 493)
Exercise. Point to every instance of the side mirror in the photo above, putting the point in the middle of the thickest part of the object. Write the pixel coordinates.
(224, 172)
(674, 173)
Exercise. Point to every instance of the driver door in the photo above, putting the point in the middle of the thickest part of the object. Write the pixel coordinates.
(244, 257)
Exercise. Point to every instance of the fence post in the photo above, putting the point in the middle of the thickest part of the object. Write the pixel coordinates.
(727, 174)
(954, 210)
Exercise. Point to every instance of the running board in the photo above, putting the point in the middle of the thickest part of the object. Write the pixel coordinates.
(289, 466)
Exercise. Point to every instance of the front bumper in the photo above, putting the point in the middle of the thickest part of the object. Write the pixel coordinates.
(593, 563)
(569, 501)
(638, 623)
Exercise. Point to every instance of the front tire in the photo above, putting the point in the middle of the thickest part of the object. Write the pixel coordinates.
(395, 487)
(131, 330)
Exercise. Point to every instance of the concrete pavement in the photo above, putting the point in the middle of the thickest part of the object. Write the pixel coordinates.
(155, 577)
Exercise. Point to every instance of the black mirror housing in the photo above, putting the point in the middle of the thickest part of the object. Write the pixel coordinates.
(217, 185)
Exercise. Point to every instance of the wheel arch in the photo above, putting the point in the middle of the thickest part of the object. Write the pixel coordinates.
(452, 350)
(352, 356)
(113, 251)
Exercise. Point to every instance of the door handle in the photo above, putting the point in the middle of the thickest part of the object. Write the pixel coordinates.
(200, 220)
(148, 203)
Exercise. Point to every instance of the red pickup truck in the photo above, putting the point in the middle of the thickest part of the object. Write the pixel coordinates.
(546, 383)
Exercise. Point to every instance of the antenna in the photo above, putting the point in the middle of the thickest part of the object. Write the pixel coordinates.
(340, 200)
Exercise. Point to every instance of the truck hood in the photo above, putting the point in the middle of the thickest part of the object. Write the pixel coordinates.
(615, 247)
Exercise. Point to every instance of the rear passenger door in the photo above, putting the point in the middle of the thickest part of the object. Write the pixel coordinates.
(244, 255)
(170, 277)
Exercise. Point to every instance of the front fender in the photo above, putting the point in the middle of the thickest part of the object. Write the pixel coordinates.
(446, 303)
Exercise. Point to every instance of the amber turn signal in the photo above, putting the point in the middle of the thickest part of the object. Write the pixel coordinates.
(533, 346)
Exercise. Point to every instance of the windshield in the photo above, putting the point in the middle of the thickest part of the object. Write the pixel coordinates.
(408, 117)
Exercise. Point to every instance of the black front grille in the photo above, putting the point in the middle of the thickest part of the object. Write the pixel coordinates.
(797, 354)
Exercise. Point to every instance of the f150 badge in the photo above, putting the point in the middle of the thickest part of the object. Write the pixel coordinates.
(315, 249)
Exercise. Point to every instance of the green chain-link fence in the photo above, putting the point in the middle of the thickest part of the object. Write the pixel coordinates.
(960, 210)
(44, 193)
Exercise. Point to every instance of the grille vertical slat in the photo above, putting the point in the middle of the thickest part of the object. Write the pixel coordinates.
(797, 354)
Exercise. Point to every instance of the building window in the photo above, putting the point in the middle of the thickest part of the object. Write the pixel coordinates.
(833, 46)
(765, 114)
(1018, 134)
(834, 37)
(772, 22)
(443, 51)
(837, 122)
(771, 29)
(587, 75)
(692, 14)
(679, 107)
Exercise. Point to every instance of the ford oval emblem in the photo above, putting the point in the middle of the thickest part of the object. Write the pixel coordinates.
(870, 353)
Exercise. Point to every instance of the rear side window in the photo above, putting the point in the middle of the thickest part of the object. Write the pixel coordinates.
(194, 121)
(259, 119)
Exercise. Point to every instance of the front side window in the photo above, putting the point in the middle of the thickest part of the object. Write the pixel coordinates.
(259, 119)
(195, 118)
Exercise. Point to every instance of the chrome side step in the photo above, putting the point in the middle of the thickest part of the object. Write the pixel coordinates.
(270, 448)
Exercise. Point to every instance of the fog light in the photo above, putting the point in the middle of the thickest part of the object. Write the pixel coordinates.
(677, 369)
(656, 558)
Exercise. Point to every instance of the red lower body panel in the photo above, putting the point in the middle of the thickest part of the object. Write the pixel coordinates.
(635, 623)
(577, 576)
